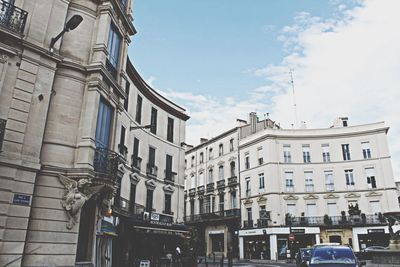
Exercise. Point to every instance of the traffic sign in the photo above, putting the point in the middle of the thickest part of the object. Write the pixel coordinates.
(292, 237)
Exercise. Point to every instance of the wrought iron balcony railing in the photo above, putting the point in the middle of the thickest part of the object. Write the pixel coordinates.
(262, 223)
(127, 208)
(136, 163)
(210, 216)
(336, 220)
(248, 224)
(12, 17)
(192, 192)
(169, 176)
(200, 189)
(232, 180)
(210, 187)
(220, 184)
(111, 69)
(151, 170)
(106, 163)
(123, 150)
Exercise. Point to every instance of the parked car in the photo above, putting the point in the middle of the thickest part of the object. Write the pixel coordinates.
(373, 248)
(366, 254)
(303, 256)
(333, 255)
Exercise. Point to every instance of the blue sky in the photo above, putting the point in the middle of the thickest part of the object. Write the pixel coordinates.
(221, 59)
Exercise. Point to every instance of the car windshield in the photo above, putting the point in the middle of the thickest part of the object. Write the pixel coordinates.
(305, 253)
(340, 255)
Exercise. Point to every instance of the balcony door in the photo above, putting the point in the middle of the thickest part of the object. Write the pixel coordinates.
(103, 126)
(311, 210)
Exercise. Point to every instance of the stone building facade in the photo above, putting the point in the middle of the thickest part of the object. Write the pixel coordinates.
(63, 158)
(319, 185)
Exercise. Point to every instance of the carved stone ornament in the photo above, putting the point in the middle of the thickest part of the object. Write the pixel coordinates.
(151, 184)
(168, 188)
(330, 196)
(261, 199)
(290, 197)
(248, 201)
(352, 195)
(373, 194)
(310, 196)
(76, 194)
(134, 178)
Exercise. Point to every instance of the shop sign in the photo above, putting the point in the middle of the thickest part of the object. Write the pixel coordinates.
(371, 231)
(161, 223)
(108, 228)
(22, 199)
(298, 231)
(155, 216)
(215, 232)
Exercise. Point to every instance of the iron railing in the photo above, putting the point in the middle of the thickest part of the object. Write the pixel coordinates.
(106, 162)
(123, 150)
(151, 169)
(248, 224)
(169, 176)
(127, 208)
(192, 192)
(220, 184)
(336, 220)
(136, 162)
(200, 189)
(210, 187)
(210, 216)
(2, 131)
(12, 17)
(232, 180)
(111, 69)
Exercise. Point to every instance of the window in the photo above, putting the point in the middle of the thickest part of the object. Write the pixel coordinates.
(170, 130)
(221, 202)
(231, 145)
(370, 174)
(287, 158)
(248, 189)
(123, 150)
(311, 210)
(212, 203)
(233, 172)
(152, 156)
(221, 149)
(329, 184)
(207, 204)
(249, 215)
(260, 156)
(201, 178)
(149, 200)
(261, 181)
(153, 121)
(167, 204)
(332, 209)
(349, 178)
(210, 155)
(126, 101)
(192, 181)
(366, 150)
(291, 209)
(135, 154)
(289, 181)
(309, 181)
(132, 197)
(326, 157)
(201, 157)
(233, 200)
(192, 162)
(201, 205)
(375, 207)
(306, 154)
(103, 126)
(221, 172)
(169, 175)
(138, 117)
(247, 161)
(346, 151)
(192, 207)
(217, 242)
(210, 176)
(113, 48)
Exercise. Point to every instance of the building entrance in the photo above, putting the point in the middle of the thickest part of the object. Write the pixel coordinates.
(257, 247)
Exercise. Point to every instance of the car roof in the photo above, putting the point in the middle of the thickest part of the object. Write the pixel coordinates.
(332, 246)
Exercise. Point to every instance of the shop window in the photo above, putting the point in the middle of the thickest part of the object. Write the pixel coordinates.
(217, 241)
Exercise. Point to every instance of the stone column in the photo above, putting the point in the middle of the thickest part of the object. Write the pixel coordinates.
(273, 244)
(241, 247)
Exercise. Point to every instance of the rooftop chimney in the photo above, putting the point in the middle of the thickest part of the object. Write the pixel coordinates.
(253, 121)
(203, 140)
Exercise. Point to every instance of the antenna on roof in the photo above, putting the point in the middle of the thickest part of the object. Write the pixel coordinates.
(296, 120)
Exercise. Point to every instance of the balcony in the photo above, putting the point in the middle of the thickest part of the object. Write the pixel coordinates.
(151, 170)
(123, 150)
(2, 131)
(169, 176)
(344, 221)
(248, 224)
(111, 69)
(262, 223)
(220, 184)
(136, 163)
(192, 192)
(125, 207)
(211, 216)
(210, 187)
(12, 17)
(106, 163)
(232, 181)
(200, 189)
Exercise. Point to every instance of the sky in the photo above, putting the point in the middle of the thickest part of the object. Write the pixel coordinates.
(222, 59)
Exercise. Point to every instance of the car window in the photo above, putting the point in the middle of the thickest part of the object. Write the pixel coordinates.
(333, 255)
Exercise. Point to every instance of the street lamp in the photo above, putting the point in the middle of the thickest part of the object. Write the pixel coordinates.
(70, 25)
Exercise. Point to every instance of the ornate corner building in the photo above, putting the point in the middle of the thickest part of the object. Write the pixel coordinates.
(79, 174)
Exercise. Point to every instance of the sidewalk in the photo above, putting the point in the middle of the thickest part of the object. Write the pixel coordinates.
(236, 262)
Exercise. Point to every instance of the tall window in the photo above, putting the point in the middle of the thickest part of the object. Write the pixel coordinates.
(207, 204)
(247, 161)
(249, 215)
(231, 145)
(329, 183)
(152, 156)
(192, 181)
(332, 209)
(201, 157)
(210, 176)
(349, 178)
(114, 46)
(201, 178)
(233, 200)
(132, 197)
(201, 205)
(168, 167)
(212, 203)
(261, 181)
(210, 153)
(346, 151)
(291, 209)
(170, 130)
(248, 188)
(326, 157)
(123, 150)
(306, 154)
(233, 169)
(192, 161)
(138, 116)
(366, 150)
(221, 149)
(135, 154)
(126, 101)
(289, 181)
(192, 207)
(167, 204)
(103, 126)
(260, 156)
(375, 207)
(370, 174)
(308, 176)
(221, 172)
(153, 121)
(149, 200)
(287, 157)
(221, 201)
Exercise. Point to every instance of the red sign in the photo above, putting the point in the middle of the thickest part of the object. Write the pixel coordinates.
(292, 237)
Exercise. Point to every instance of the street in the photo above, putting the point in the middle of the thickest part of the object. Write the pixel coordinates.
(249, 263)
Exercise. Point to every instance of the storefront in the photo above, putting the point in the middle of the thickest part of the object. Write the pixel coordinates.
(364, 237)
(274, 243)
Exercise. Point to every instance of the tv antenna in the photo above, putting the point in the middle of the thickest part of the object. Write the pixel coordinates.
(296, 119)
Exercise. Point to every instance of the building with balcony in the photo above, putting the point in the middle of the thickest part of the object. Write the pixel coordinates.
(68, 160)
(212, 193)
(319, 185)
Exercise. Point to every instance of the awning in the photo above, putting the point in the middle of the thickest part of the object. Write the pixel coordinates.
(160, 230)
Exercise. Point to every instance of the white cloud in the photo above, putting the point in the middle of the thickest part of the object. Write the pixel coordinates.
(347, 65)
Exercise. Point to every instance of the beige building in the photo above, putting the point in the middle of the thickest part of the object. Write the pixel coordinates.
(313, 185)
(212, 193)
(64, 155)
